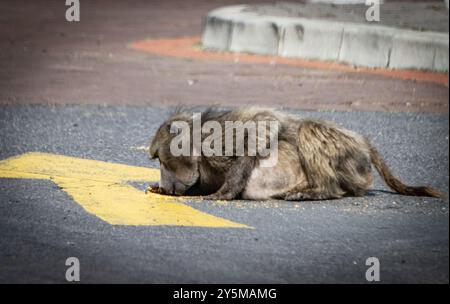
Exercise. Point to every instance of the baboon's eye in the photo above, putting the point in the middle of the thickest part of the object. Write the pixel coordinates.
(156, 154)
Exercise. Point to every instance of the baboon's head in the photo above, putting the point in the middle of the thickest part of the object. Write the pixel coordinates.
(178, 173)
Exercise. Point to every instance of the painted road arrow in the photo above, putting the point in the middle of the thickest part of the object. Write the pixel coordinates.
(102, 189)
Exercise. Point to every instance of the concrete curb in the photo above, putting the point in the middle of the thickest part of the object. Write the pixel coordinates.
(235, 29)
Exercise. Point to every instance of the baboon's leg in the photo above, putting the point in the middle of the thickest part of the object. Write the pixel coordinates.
(236, 179)
(300, 193)
(347, 182)
(354, 172)
(357, 184)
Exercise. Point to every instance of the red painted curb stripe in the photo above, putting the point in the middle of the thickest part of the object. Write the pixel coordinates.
(185, 48)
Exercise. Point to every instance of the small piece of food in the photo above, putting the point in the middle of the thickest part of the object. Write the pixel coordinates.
(153, 189)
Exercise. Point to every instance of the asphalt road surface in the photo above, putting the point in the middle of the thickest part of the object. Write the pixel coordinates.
(285, 242)
(80, 90)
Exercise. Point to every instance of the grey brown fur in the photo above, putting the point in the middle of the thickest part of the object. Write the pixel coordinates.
(316, 160)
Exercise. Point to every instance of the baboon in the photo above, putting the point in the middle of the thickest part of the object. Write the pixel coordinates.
(316, 160)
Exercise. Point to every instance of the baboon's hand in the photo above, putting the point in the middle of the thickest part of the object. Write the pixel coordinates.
(154, 188)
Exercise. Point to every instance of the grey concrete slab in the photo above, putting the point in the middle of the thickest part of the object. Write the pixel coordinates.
(441, 57)
(305, 40)
(424, 16)
(217, 32)
(408, 36)
(256, 36)
(369, 47)
(421, 53)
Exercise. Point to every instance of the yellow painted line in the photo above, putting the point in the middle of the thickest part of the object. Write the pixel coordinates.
(101, 189)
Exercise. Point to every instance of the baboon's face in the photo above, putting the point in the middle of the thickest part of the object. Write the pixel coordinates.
(178, 173)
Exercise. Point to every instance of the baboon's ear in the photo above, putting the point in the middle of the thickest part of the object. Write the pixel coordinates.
(153, 150)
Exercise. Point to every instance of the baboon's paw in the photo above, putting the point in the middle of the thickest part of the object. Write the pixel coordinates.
(218, 197)
(153, 188)
(297, 196)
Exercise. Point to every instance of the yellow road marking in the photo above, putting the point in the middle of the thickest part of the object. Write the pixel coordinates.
(101, 189)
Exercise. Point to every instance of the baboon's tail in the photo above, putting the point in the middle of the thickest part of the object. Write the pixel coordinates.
(395, 183)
